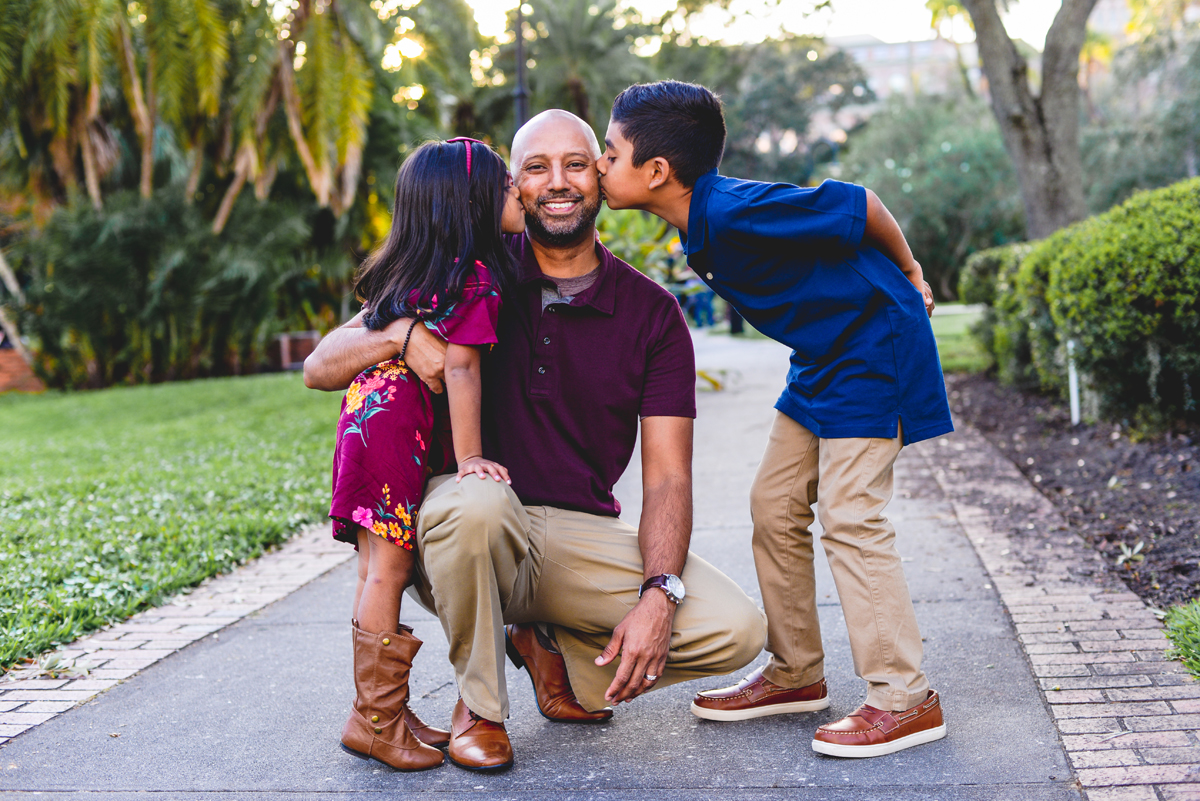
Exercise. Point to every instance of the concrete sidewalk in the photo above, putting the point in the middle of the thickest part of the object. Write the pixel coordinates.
(256, 713)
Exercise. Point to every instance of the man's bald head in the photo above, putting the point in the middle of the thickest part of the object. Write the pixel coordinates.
(555, 129)
(553, 161)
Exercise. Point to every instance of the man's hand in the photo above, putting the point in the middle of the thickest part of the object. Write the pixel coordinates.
(426, 353)
(642, 640)
(346, 351)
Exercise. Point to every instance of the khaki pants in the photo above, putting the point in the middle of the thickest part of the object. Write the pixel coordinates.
(485, 560)
(853, 479)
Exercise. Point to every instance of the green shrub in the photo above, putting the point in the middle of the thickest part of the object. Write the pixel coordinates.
(640, 239)
(143, 291)
(1183, 630)
(1125, 285)
(989, 277)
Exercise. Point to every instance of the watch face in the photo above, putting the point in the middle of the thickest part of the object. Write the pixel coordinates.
(675, 587)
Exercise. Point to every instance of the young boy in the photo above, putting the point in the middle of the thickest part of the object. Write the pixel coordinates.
(828, 272)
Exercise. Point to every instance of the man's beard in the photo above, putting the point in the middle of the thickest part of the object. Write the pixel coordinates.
(561, 231)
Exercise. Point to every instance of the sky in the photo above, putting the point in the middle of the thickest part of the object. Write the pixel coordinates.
(753, 20)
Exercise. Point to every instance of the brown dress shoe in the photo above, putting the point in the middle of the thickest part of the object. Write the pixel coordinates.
(869, 732)
(376, 728)
(438, 738)
(477, 743)
(555, 698)
(755, 697)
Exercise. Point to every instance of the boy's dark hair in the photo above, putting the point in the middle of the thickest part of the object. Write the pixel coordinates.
(680, 122)
(442, 222)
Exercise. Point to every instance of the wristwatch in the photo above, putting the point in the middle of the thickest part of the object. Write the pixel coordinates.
(669, 583)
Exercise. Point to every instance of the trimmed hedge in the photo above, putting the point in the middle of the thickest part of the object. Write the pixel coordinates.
(988, 277)
(1124, 285)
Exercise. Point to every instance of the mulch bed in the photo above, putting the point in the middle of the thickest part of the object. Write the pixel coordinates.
(1113, 490)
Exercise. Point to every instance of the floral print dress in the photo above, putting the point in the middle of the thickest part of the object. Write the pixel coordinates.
(394, 433)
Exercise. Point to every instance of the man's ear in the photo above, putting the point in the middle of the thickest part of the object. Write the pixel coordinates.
(660, 174)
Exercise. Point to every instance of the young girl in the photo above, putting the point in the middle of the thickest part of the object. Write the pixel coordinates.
(444, 264)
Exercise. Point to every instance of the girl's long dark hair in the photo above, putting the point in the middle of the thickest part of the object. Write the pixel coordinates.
(442, 222)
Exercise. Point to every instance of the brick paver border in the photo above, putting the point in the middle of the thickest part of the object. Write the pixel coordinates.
(113, 654)
(1128, 718)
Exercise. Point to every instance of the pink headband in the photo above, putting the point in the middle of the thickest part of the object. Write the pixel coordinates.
(467, 141)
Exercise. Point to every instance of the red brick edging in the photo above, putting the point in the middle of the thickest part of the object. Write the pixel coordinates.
(112, 655)
(1129, 719)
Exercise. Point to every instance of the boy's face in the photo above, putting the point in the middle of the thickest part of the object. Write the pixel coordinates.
(624, 186)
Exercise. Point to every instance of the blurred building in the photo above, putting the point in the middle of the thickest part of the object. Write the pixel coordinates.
(927, 67)
(1110, 18)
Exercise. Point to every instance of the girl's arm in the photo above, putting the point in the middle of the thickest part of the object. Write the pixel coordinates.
(464, 390)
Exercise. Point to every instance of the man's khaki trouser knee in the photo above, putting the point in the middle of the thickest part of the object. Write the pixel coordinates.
(485, 560)
(853, 479)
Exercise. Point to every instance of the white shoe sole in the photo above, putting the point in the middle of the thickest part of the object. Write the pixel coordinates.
(761, 711)
(857, 751)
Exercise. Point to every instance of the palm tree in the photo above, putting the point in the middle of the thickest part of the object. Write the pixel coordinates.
(583, 55)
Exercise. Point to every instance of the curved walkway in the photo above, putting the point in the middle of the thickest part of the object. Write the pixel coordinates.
(1052, 679)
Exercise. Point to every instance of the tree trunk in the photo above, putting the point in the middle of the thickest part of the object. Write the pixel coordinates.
(320, 177)
(9, 326)
(146, 186)
(62, 153)
(241, 171)
(1041, 134)
(143, 113)
(266, 179)
(246, 163)
(197, 166)
(91, 174)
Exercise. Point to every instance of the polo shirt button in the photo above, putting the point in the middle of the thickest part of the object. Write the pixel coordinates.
(541, 369)
(708, 276)
(546, 341)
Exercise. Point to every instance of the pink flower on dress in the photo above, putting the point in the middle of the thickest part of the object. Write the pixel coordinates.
(363, 516)
(420, 441)
(372, 384)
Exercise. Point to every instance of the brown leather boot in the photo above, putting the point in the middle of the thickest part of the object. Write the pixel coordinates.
(478, 743)
(376, 728)
(555, 698)
(438, 738)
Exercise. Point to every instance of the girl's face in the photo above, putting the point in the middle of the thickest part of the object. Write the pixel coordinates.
(513, 219)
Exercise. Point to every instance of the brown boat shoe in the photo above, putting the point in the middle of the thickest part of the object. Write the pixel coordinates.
(528, 648)
(755, 697)
(869, 732)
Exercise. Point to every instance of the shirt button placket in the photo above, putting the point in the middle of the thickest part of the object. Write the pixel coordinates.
(542, 353)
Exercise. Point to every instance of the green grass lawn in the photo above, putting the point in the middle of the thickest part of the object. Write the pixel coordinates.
(959, 351)
(111, 501)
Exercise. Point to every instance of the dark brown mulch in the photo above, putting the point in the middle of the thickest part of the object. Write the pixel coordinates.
(1113, 490)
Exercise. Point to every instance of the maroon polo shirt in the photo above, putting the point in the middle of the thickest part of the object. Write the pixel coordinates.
(565, 388)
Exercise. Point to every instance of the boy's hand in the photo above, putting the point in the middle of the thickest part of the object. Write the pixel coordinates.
(927, 293)
(482, 468)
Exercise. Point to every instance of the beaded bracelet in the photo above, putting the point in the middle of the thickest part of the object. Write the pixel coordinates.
(407, 337)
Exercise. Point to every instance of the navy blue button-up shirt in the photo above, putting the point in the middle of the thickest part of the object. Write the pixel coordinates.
(791, 261)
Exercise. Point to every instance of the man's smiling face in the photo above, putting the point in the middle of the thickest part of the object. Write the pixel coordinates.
(554, 164)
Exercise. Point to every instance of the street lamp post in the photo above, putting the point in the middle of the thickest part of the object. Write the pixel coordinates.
(521, 93)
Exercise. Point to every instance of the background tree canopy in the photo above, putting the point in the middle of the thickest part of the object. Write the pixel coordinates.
(184, 179)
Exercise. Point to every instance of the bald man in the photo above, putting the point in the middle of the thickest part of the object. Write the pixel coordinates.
(597, 611)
